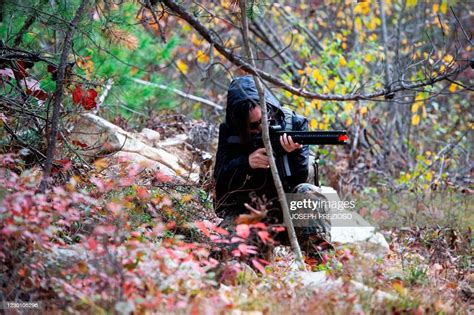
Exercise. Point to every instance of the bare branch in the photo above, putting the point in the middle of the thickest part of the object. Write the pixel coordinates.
(212, 38)
(180, 93)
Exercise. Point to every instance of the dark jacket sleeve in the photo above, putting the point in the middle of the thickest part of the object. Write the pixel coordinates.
(232, 165)
(299, 159)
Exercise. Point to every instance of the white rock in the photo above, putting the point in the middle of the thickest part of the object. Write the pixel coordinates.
(353, 230)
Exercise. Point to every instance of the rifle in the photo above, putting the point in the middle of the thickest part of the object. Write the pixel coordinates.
(330, 137)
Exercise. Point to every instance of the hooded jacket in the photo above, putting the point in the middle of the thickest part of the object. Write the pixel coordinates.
(236, 181)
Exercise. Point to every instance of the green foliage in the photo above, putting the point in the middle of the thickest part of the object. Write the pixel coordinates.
(416, 274)
(110, 49)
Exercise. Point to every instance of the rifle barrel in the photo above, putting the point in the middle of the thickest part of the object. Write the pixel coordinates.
(332, 137)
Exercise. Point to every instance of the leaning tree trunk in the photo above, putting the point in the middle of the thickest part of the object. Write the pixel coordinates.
(266, 140)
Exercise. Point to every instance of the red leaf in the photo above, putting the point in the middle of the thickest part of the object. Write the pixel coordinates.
(236, 240)
(79, 144)
(258, 265)
(259, 225)
(220, 230)
(39, 94)
(264, 236)
(243, 230)
(92, 243)
(202, 227)
(20, 69)
(22, 272)
(77, 95)
(88, 102)
(247, 249)
(278, 228)
(162, 177)
(143, 193)
(52, 69)
(65, 164)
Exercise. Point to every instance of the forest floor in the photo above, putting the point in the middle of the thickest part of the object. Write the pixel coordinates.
(134, 241)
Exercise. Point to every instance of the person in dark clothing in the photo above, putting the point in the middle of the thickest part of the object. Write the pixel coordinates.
(242, 172)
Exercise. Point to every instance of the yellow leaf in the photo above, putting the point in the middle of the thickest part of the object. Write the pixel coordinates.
(348, 106)
(453, 87)
(363, 110)
(448, 59)
(372, 25)
(133, 70)
(186, 28)
(101, 164)
(362, 7)
(202, 57)
(331, 84)
(368, 58)
(419, 97)
(182, 66)
(424, 112)
(82, 267)
(415, 120)
(444, 7)
(195, 40)
(350, 78)
(358, 24)
(313, 124)
(342, 61)
(415, 106)
(435, 8)
(411, 3)
(398, 286)
(317, 76)
(349, 121)
(186, 198)
(316, 104)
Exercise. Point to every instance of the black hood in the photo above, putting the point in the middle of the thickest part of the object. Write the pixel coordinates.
(243, 89)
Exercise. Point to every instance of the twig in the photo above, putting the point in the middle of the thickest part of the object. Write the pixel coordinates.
(155, 18)
(462, 28)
